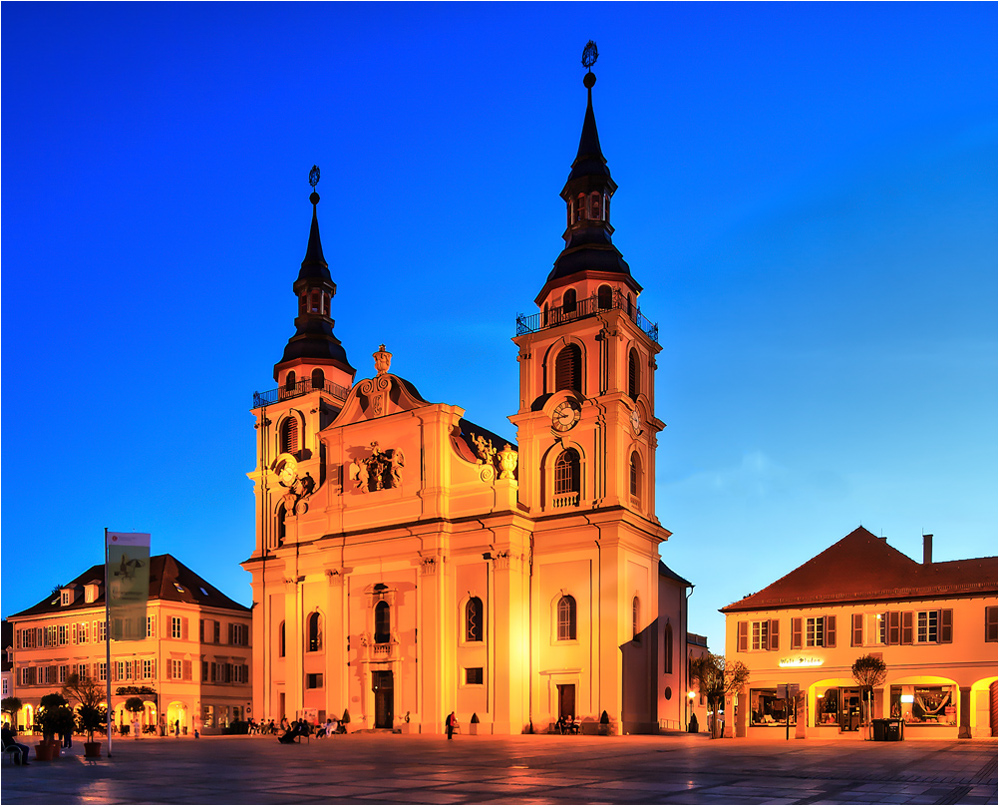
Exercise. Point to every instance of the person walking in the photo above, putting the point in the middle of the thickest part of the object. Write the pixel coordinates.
(449, 725)
(177, 728)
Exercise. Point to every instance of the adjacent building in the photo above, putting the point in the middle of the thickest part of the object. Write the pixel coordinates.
(192, 670)
(933, 624)
(410, 563)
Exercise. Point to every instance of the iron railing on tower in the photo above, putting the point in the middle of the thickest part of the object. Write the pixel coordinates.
(303, 387)
(588, 307)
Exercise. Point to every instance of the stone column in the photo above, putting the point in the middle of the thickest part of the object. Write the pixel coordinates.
(965, 713)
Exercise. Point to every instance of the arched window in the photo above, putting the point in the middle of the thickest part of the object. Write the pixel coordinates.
(566, 619)
(281, 640)
(604, 297)
(569, 301)
(595, 206)
(545, 314)
(635, 475)
(668, 649)
(607, 207)
(474, 620)
(281, 524)
(315, 632)
(290, 435)
(290, 381)
(569, 363)
(633, 375)
(318, 379)
(567, 473)
(580, 205)
(628, 305)
(636, 631)
(382, 622)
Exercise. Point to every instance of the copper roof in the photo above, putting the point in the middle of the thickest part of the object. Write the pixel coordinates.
(864, 568)
(169, 579)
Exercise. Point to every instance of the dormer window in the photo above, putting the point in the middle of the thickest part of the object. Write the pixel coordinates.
(91, 592)
(66, 597)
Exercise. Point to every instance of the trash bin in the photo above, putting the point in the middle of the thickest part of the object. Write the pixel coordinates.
(894, 729)
(879, 729)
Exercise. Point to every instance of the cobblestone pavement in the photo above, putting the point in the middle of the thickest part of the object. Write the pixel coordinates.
(386, 768)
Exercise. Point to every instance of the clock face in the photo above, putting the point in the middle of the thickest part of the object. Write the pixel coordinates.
(565, 416)
(635, 421)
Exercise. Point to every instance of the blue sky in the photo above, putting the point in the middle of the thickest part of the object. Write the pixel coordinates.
(807, 193)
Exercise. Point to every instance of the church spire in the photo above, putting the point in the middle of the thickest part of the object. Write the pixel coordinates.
(313, 342)
(587, 193)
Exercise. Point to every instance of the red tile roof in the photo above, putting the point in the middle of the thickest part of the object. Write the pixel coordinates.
(864, 568)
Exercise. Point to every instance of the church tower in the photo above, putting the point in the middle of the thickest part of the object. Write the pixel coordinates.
(587, 440)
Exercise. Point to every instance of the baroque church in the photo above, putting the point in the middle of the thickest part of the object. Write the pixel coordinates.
(409, 563)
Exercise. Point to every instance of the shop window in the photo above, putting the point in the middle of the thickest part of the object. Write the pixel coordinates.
(382, 627)
(569, 364)
(473, 675)
(315, 632)
(474, 620)
(918, 704)
(991, 623)
(766, 708)
(566, 619)
(827, 707)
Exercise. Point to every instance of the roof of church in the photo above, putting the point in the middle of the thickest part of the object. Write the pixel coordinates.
(666, 571)
(864, 568)
(169, 579)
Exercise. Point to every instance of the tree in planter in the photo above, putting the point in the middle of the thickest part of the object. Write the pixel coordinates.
(869, 672)
(716, 679)
(55, 716)
(134, 705)
(88, 693)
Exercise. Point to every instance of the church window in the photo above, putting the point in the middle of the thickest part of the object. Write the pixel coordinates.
(595, 206)
(318, 380)
(315, 301)
(281, 640)
(636, 629)
(474, 620)
(382, 623)
(633, 375)
(567, 473)
(568, 369)
(290, 381)
(569, 301)
(566, 619)
(290, 435)
(604, 297)
(315, 632)
(668, 649)
(635, 475)
(281, 524)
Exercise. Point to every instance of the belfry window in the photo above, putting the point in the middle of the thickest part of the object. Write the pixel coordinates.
(315, 632)
(569, 302)
(634, 475)
(604, 298)
(474, 620)
(566, 619)
(318, 380)
(382, 633)
(633, 375)
(567, 473)
(595, 206)
(290, 435)
(568, 365)
(290, 381)
(580, 208)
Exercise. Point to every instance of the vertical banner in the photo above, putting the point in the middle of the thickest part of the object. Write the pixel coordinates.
(128, 585)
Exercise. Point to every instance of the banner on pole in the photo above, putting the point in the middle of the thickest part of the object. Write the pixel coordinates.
(128, 585)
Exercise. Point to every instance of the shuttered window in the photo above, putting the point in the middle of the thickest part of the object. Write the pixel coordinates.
(633, 375)
(290, 435)
(568, 369)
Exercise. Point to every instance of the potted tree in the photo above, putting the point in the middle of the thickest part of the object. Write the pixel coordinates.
(604, 724)
(869, 672)
(718, 678)
(474, 724)
(54, 717)
(134, 705)
(91, 716)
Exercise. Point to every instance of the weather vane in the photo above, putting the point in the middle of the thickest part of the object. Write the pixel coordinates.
(589, 54)
(314, 173)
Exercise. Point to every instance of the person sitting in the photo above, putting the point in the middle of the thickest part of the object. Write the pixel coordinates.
(561, 724)
(288, 731)
(9, 739)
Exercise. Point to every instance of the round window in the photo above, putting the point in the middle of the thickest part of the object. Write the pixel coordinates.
(667, 693)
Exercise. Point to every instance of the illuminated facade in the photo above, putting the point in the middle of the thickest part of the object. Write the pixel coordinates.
(409, 563)
(933, 624)
(193, 666)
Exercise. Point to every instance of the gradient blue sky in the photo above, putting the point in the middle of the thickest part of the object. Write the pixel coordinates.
(808, 194)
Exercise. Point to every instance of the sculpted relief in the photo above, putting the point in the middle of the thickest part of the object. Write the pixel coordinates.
(298, 486)
(493, 460)
(381, 470)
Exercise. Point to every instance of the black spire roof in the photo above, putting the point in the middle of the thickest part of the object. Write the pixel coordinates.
(588, 236)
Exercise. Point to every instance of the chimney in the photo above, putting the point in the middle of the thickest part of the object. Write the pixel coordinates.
(928, 543)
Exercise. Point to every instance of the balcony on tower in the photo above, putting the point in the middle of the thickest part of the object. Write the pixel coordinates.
(613, 299)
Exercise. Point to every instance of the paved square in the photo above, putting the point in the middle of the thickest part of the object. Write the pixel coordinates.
(387, 768)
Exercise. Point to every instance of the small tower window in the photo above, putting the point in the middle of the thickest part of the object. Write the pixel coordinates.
(636, 630)
(290, 435)
(569, 301)
(318, 380)
(382, 623)
(607, 207)
(290, 381)
(604, 297)
(580, 208)
(545, 314)
(567, 473)
(315, 632)
(474, 620)
(281, 524)
(566, 619)
(595, 206)
(633, 375)
(635, 475)
(281, 640)
(568, 366)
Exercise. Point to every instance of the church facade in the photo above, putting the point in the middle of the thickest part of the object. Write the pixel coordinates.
(409, 564)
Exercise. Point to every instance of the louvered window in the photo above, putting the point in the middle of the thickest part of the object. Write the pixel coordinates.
(633, 375)
(290, 435)
(568, 366)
